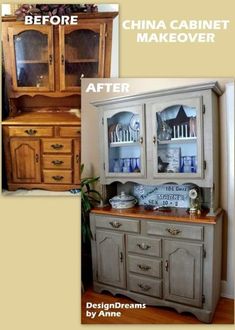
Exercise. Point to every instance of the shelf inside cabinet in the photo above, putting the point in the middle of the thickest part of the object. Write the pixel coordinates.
(32, 61)
(82, 60)
(178, 140)
(124, 144)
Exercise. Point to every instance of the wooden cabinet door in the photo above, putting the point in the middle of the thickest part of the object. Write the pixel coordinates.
(77, 161)
(183, 272)
(110, 258)
(25, 155)
(82, 54)
(31, 53)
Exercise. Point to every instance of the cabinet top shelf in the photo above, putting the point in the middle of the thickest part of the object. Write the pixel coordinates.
(31, 61)
(82, 60)
(176, 214)
(95, 15)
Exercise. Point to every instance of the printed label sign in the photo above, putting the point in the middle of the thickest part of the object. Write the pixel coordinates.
(163, 195)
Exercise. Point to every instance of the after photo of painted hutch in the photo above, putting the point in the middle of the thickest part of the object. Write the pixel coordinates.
(157, 147)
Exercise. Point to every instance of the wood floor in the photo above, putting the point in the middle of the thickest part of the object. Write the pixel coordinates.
(151, 315)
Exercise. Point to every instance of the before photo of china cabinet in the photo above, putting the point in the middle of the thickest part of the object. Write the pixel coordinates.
(43, 67)
(158, 152)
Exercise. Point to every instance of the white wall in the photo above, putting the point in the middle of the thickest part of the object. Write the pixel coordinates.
(228, 176)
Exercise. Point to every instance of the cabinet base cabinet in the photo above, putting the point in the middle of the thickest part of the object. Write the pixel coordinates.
(203, 315)
(159, 262)
(41, 157)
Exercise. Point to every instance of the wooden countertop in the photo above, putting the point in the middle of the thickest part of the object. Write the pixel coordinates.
(177, 214)
(44, 118)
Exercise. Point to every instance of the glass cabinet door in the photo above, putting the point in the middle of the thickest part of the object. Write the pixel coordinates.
(81, 54)
(177, 139)
(32, 58)
(124, 142)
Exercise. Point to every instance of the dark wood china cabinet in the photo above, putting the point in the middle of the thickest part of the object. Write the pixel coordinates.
(44, 65)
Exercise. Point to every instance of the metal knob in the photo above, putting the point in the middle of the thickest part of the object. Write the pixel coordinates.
(115, 224)
(57, 177)
(145, 268)
(57, 162)
(143, 246)
(173, 231)
(57, 146)
(31, 131)
(144, 287)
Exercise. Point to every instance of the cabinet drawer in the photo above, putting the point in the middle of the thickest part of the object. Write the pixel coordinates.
(118, 224)
(57, 161)
(150, 287)
(30, 131)
(70, 131)
(175, 230)
(57, 145)
(145, 266)
(61, 177)
(143, 245)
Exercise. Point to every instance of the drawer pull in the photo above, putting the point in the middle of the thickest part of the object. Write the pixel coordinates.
(57, 177)
(50, 59)
(115, 224)
(77, 159)
(166, 265)
(57, 162)
(144, 287)
(154, 139)
(143, 246)
(57, 146)
(144, 267)
(173, 231)
(37, 158)
(121, 256)
(62, 59)
(31, 131)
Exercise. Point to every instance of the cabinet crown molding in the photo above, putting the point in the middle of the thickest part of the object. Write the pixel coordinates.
(212, 85)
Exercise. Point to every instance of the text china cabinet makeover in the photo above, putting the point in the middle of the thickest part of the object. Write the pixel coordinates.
(165, 259)
(44, 65)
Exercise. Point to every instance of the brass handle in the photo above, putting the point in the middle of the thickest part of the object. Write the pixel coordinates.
(144, 267)
(57, 146)
(77, 158)
(121, 256)
(57, 177)
(143, 246)
(57, 162)
(166, 266)
(37, 158)
(144, 287)
(62, 59)
(173, 231)
(141, 140)
(115, 224)
(154, 139)
(31, 131)
(50, 59)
